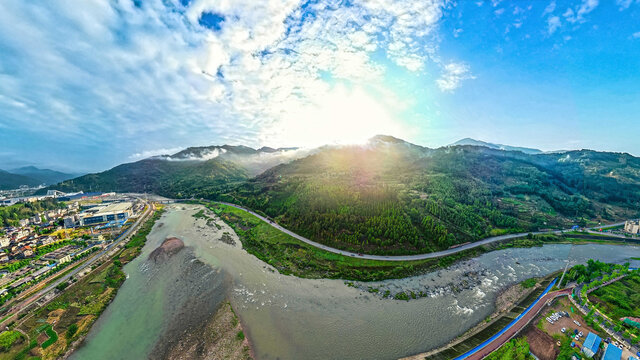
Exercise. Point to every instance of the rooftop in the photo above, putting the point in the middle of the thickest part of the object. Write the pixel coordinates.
(612, 353)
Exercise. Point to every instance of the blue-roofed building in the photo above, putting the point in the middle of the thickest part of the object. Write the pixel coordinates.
(591, 345)
(612, 352)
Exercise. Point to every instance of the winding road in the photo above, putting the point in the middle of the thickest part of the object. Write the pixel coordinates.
(431, 255)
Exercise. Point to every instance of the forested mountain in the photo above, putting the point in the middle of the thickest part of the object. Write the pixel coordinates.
(13, 181)
(169, 178)
(194, 172)
(395, 197)
(30, 176)
(391, 196)
(45, 176)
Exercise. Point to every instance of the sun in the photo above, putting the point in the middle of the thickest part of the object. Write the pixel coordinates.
(340, 116)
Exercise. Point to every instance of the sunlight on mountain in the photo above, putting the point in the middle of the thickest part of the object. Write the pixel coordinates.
(343, 116)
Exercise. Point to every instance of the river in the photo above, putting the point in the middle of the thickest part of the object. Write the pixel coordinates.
(291, 318)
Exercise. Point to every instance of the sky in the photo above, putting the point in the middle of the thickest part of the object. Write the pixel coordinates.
(87, 85)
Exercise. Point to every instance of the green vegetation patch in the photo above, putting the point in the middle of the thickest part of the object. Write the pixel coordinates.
(292, 256)
(619, 299)
(529, 283)
(8, 338)
(53, 337)
(516, 349)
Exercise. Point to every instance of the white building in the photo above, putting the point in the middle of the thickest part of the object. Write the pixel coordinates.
(632, 226)
(104, 214)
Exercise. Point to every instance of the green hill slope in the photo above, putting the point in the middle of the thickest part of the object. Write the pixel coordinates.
(13, 181)
(392, 197)
(168, 178)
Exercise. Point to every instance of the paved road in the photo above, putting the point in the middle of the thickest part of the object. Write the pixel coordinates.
(23, 304)
(514, 327)
(431, 255)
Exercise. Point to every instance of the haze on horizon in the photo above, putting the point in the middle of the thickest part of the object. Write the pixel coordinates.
(88, 85)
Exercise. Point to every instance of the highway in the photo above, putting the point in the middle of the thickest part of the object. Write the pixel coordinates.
(431, 255)
(23, 304)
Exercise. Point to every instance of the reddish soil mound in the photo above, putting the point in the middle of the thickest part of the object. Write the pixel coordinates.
(169, 247)
(541, 344)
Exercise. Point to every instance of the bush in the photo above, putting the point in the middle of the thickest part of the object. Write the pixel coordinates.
(8, 338)
(71, 330)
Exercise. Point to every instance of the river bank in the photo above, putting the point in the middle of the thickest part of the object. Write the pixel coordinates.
(289, 317)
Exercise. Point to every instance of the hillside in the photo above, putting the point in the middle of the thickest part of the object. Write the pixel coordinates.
(391, 196)
(163, 177)
(45, 176)
(194, 172)
(10, 181)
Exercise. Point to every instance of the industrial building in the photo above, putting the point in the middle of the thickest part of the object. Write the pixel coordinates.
(591, 345)
(106, 213)
(612, 352)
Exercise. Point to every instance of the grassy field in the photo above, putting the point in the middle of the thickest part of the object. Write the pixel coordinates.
(620, 299)
(52, 328)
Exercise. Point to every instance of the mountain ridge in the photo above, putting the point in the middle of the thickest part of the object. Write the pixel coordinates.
(389, 196)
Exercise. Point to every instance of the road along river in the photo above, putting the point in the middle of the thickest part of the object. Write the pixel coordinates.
(291, 318)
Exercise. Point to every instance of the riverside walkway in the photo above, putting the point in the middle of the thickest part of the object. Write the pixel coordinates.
(515, 326)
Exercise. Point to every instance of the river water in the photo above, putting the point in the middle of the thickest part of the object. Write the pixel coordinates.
(291, 318)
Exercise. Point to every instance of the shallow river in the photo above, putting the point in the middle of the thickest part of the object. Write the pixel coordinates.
(291, 318)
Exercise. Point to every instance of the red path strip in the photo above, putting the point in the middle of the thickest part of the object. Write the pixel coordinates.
(524, 321)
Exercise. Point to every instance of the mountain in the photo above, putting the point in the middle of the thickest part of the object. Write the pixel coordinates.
(389, 196)
(393, 197)
(473, 142)
(10, 181)
(44, 176)
(193, 172)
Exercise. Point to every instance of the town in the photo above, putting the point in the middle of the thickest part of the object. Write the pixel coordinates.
(36, 245)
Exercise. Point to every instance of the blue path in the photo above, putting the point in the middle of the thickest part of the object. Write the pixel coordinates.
(488, 341)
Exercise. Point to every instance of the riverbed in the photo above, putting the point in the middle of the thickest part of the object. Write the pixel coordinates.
(291, 318)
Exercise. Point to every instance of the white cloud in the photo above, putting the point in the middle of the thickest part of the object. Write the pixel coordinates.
(553, 23)
(110, 74)
(453, 74)
(549, 8)
(636, 35)
(577, 14)
(155, 152)
(624, 4)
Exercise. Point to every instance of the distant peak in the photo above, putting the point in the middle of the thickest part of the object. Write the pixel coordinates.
(386, 139)
(474, 142)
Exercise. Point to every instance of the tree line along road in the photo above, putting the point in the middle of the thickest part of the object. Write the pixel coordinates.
(431, 255)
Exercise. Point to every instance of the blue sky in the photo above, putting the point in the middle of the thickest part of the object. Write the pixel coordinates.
(88, 85)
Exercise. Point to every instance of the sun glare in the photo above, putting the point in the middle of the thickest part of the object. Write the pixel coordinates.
(343, 116)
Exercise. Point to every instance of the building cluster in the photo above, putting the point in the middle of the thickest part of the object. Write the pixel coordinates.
(632, 226)
(592, 349)
(96, 212)
(21, 242)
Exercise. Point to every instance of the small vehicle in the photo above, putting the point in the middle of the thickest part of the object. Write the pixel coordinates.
(580, 334)
(563, 330)
(575, 322)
